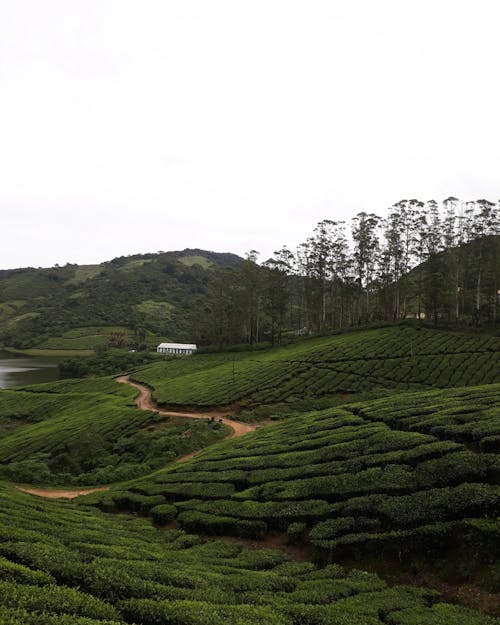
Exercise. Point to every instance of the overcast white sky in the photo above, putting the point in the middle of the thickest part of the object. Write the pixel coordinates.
(133, 126)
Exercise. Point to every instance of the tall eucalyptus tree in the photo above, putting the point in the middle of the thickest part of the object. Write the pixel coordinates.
(366, 248)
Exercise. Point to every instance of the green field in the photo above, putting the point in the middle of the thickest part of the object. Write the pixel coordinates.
(321, 370)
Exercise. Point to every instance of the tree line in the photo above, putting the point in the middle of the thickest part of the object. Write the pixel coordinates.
(426, 260)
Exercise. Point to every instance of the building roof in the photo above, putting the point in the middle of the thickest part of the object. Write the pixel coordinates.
(178, 345)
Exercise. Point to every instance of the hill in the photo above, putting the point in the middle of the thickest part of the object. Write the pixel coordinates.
(315, 373)
(89, 431)
(81, 307)
(396, 485)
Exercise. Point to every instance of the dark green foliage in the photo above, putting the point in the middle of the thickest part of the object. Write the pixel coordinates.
(147, 295)
(385, 479)
(197, 613)
(64, 564)
(193, 521)
(163, 513)
(105, 364)
(400, 475)
(19, 616)
(58, 599)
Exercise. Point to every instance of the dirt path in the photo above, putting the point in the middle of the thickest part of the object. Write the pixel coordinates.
(145, 401)
(54, 493)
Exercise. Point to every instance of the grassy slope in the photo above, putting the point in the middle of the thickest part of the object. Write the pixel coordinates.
(309, 372)
(64, 565)
(89, 431)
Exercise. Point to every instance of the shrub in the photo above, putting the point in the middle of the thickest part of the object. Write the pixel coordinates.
(163, 514)
(295, 532)
(203, 523)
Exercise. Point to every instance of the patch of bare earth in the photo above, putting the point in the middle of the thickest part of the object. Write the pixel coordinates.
(55, 493)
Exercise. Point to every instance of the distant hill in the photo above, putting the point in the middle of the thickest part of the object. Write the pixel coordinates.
(130, 299)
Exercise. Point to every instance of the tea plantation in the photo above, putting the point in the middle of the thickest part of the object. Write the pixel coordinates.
(382, 360)
(61, 564)
(87, 432)
(414, 475)
(399, 486)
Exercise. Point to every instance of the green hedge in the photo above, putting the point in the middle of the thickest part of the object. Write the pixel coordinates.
(164, 513)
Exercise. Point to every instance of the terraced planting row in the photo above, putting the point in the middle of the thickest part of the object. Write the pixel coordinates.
(395, 477)
(89, 431)
(396, 358)
(66, 565)
(84, 338)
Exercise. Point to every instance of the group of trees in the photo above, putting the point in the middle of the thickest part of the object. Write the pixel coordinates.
(423, 260)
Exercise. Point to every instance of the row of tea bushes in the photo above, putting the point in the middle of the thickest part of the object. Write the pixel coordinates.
(397, 358)
(63, 563)
(348, 478)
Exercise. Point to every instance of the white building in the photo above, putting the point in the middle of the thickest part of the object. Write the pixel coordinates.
(176, 348)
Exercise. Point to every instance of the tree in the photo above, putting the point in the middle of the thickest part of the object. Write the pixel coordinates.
(430, 234)
(251, 284)
(277, 289)
(366, 247)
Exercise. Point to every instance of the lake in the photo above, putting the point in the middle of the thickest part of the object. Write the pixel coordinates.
(17, 370)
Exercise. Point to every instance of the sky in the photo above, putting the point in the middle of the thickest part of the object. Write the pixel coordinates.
(133, 126)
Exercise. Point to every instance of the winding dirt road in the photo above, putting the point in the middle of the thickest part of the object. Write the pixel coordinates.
(144, 401)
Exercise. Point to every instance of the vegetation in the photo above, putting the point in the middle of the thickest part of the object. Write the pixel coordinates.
(386, 466)
(63, 564)
(104, 364)
(127, 302)
(89, 432)
(424, 261)
(409, 477)
(315, 372)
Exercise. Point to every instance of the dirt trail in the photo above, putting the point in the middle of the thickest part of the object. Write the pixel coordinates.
(145, 401)
(54, 493)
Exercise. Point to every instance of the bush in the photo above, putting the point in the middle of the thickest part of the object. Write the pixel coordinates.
(199, 522)
(197, 613)
(163, 514)
(137, 503)
(57, 599)
(295, 532)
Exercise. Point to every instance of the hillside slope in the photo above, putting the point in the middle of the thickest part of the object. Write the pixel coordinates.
(304, 375)
(411, 480)
(66, 565)
(402, 483)
(148, 293)
(90, 431)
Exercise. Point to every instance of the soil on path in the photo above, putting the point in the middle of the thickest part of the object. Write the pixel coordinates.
(54, 493)
(145, 401)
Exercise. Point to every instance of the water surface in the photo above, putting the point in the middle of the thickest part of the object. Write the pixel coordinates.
(18, 370)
